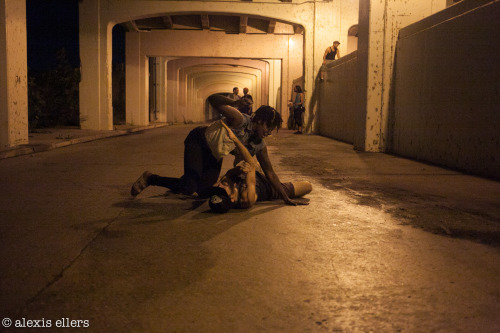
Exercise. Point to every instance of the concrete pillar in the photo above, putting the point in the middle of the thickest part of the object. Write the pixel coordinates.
(136, 81)
(370, 68)
(13, 74)
(96, 110)
(379, 25)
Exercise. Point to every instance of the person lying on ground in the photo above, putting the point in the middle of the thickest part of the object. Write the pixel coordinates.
(242, 186)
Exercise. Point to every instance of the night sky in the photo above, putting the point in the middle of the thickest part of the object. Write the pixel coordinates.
(52, 25)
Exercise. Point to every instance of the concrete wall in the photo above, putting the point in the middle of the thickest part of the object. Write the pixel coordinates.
(330, 21)
(447, 80)
(337, 102)
(379, 25)
(13, 74)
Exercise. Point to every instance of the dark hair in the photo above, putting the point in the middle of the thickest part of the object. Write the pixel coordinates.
(235, 88)
(298, 88)
(219, 201)
(268, 115)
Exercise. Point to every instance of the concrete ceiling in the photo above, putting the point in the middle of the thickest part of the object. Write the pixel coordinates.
(230, 24)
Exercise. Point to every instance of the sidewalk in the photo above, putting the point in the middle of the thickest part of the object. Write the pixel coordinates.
(50, 138)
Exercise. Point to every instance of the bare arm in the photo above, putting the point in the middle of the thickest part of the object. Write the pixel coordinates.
(248, 196)
(325, 54)
(224, 105)
(273, 178)
(248, 99)
(241, 148)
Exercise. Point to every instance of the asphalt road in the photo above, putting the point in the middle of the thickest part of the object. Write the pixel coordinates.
(386, 244)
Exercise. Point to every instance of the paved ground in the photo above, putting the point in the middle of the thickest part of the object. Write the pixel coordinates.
(386, 244)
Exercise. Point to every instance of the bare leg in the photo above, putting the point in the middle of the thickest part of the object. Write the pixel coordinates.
(301, 188)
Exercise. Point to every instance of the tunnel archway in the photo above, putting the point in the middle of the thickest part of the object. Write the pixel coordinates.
(185, 73)
(181, 91)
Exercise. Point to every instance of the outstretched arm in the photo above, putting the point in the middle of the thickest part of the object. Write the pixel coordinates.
(325, 54)
(248, 196)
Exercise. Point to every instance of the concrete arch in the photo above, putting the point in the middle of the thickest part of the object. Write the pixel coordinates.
(200, 82)
(352, 38)
(320, 20)
(235, 9)
(220, 48)
(134, 17)
(179, 72)
(188, 102)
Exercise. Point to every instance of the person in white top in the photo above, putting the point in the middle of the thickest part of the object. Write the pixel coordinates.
(202, 163)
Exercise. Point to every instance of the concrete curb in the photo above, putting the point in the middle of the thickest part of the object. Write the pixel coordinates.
(37, 148)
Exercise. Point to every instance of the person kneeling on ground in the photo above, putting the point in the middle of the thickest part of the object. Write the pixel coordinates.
(242, 186)
(203, 151)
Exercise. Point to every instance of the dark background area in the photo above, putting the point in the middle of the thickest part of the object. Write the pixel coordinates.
(52, 25)
(54, 64)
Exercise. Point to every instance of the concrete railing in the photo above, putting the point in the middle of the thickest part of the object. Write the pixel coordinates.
(337, 99)
(446, 92)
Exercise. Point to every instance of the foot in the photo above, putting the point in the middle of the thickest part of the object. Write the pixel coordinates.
(140, 184)
(218, 100)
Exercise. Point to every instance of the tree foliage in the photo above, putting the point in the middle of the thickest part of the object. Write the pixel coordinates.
(53, 98)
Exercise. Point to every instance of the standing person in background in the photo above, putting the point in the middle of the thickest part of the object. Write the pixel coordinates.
(331, 53)
(298, 108)
(235, 93)
(246, 108)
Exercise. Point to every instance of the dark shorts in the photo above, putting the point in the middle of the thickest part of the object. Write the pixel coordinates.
(201, 168)
(298, 113)
(266, 192)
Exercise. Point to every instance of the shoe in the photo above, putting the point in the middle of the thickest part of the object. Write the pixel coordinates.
(140, 184)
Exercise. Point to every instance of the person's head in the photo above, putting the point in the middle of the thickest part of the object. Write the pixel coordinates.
(219, 200)
(298, 89)
(336, 43)
(236, 90)
(265, 120)
(245, 90)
